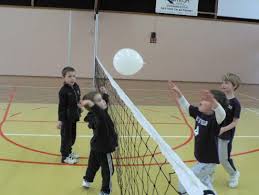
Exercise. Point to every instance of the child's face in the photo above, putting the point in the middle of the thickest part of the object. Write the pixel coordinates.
(227, 87)
(205, 106)
(70, 78)
(99, 101)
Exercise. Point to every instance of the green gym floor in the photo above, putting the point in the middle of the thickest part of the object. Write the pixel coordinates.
(29, 140)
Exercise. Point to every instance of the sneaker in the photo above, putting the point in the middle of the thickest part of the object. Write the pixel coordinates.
(233, 181)
(86, 184)
(74, 155)
(212, 179)
(69, 160)
(102, 193)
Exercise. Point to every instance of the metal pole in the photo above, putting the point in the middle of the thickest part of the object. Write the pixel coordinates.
(216, 9)
(69, 41)
(96, 35)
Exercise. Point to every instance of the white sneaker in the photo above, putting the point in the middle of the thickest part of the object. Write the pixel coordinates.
(212, 179)
(74, 155)
(86, 184)
(234, 180)
(70, 161)
(102, 193)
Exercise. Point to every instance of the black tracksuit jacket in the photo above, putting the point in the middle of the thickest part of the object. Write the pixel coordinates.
(105, 139)
(69, 97)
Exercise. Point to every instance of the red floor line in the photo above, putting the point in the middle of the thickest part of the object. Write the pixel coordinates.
(33, 121)
(52, 154)
(11, 98)
(79, 165)
(247, 152)
(173, 116)
(27, 148)
(75, 165)
(60, 164)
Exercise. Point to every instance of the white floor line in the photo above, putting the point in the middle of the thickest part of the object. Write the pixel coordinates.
(251, 97)
(89, 136)
(256, 111)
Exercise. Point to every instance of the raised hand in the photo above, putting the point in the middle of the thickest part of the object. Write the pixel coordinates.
(103, 90)
(86, 103)
(59, 125)
(208, 96)
(174, 88)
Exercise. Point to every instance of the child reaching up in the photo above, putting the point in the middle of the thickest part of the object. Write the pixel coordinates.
(208, 117)
(104, 141)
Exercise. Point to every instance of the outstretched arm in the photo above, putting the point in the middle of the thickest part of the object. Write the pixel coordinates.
(185, 105)
(105, 94)
(95, 109)
(216, 106)
(88, 103)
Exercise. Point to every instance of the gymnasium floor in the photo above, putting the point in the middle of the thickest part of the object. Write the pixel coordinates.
(29, 141)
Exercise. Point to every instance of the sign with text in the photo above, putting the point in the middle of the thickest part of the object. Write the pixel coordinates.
(177, 7)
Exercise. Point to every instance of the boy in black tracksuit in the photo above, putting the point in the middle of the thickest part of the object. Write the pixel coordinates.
(68, 114)
(103, 142)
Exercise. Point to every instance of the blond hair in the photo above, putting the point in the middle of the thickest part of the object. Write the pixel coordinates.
(233, 78)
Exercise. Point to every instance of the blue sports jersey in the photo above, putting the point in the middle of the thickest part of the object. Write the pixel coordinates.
(233, 111)
(206, 136)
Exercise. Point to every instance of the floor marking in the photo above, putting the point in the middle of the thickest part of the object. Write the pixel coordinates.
(89, 136)
(251, 97)
(254, 110)
(57, 87)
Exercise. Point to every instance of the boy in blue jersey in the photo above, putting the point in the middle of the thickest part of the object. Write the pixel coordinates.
(208, 116)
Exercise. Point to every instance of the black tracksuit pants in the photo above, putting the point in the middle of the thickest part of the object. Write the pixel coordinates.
(68, 138)
(103, 160)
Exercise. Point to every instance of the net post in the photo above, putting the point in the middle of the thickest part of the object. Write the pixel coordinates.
(69, 40)
(96, 33)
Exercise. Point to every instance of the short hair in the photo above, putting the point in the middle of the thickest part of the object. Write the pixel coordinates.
(90, 96)
(66, 70)
(233, 78)
(220, 97)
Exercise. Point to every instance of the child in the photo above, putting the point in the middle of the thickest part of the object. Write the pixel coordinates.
(68, 114)
(103, 142)
(208, 117)
(230, 83)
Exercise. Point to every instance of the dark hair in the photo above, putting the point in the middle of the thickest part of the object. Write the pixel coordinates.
(220, 97)
(66, 70)
(90, 96)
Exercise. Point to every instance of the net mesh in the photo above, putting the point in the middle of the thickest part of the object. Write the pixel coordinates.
(142, 156)
(141, 168)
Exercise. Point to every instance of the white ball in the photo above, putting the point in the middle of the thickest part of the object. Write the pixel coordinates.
(127, 62)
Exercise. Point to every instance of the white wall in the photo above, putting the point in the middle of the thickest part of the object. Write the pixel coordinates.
(33, 42)
(239, 8)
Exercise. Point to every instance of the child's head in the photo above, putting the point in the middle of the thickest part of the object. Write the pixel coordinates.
(207, 107)
(96, 98)
(69, 75)
(230, 82)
